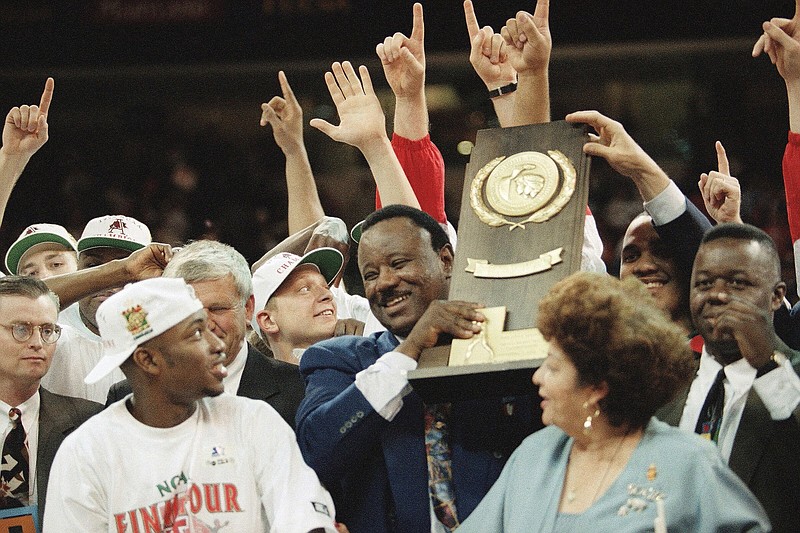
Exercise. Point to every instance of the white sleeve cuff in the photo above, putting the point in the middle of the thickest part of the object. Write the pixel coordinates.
(668, 205)
(592, 250)
(797, 264)
(385, 383)
(779, 390)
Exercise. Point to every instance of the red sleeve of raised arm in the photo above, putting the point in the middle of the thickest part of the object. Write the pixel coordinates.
(424, 168)
(791, 182)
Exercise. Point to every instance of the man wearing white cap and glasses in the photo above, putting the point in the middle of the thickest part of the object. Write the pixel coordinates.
(43, 250)
(104, 240)
(178, 454)
(294, 305)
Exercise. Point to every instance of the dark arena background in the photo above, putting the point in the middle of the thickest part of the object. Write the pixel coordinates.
(156, 106)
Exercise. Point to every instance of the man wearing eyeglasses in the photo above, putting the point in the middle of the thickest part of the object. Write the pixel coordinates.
(34, 421)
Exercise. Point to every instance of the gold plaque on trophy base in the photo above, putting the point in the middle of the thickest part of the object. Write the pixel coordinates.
(493, 345)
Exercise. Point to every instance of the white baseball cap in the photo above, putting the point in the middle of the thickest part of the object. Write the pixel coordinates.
(271, 275)
(114, 231)
(37, 234)
(138, 313)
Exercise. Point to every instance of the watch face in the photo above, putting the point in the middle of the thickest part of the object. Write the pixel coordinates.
(778, 357)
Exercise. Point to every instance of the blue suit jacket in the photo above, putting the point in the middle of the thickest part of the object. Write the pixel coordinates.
(376, 470)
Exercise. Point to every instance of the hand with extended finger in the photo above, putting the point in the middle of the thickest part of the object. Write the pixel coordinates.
(785, 50)
(721, 192)
(528, 40)
(403, 58)
(285, 116)
(455, 318)
(25, 129)
(361, 119)
(488, 52)
(780, 38)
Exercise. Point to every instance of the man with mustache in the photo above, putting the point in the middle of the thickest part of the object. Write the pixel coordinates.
(362, 428)
(746, 394)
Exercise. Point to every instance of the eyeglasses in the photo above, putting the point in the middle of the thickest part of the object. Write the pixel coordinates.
(22, 331)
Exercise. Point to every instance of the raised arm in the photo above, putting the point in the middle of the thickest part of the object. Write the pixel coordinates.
(528, 43)
(286, 117)
(363, 125)
(147, 262)
(721, 192)
(676, 220)
(616, 146)
(489, 57)
(24, 132)
(403, 61)
(781, 41)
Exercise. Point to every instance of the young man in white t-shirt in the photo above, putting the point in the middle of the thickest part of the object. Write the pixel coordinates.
(178, 453)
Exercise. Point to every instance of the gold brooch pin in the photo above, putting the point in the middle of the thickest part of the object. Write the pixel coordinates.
(651, 472)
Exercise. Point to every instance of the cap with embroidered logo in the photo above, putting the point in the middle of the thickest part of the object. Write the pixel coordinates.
(114, 231)
(271, 275)
(138, 313)
(37, 234)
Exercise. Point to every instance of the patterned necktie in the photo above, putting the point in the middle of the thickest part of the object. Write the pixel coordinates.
(14, 471)
(710, 419)
(440, 474)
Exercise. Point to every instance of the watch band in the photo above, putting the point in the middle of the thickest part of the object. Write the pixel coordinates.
(775, 360)
(510, 88)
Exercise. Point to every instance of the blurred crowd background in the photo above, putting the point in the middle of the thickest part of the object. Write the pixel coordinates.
(156, 106)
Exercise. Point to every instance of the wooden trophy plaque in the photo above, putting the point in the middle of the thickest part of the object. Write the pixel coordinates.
(520, 231)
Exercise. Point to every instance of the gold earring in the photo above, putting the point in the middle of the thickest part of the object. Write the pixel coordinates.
(587, 424)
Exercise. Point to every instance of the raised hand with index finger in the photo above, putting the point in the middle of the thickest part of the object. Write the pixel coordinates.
(403, 58)
(25, 129)
(722, 194)
(286, 117)
(770, 40)
(488, 52)
(528, 39)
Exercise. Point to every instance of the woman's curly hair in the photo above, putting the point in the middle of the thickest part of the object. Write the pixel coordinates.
(613, 332)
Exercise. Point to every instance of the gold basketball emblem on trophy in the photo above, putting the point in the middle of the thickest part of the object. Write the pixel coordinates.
(524, 184)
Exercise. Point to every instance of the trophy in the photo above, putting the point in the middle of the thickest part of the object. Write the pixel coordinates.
(520, 231)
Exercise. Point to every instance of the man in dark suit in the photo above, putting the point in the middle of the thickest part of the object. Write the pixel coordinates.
(28, 335)
(221, 279)
(360, 426)
(735, 290)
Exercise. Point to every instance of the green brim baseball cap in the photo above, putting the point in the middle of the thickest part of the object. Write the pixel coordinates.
(37, 234)
(114, 231)
(355, 233)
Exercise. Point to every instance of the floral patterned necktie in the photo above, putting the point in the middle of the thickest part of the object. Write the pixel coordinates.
(440, 474)
(710, 419)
